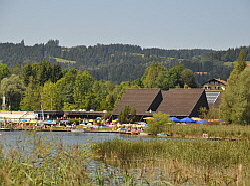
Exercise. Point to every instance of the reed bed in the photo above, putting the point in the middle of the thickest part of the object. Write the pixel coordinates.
(181, 162)
(196, 130)
(38, 160)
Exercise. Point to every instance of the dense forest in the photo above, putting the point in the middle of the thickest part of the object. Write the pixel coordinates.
(121, 62)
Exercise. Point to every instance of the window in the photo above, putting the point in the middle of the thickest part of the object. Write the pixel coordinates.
(212, 96)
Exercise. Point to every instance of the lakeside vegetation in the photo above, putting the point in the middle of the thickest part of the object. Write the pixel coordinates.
(213, 131)
(181, 162)
(45, 160)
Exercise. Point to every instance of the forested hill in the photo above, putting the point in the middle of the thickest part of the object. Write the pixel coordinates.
(121, 62)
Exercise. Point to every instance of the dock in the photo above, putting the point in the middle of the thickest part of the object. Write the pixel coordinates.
(109, 131)
(35, 130)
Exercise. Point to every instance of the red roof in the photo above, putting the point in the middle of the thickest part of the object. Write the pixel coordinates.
(219, 80)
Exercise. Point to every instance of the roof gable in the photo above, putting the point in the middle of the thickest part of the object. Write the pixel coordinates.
(141, 99)
(218, 80)
(182, 102)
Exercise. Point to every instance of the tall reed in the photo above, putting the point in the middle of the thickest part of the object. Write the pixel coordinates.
(196, 130)
(38, 160)
(179, 162)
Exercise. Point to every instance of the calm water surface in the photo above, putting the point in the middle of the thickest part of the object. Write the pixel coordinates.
(11, 138)
(26, 141)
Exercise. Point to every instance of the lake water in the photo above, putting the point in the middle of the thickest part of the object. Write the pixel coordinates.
(11, 138)
(26, 140)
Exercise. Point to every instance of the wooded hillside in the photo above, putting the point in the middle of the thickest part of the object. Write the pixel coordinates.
(121, 62)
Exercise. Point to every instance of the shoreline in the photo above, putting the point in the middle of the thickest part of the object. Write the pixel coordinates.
(114, 132)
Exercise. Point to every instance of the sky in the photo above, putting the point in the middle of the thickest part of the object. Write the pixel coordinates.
(165, 24)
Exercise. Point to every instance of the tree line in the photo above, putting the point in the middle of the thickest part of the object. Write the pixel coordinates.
(47, 86)
(121, 62)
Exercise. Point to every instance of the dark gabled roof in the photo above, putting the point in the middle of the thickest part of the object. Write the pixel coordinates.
(219, 80)
(141, 99)
(182, 102)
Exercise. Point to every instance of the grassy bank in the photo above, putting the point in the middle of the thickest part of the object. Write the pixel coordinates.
(196, 130)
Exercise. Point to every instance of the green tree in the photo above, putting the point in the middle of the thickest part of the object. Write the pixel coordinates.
(56, 73)
(17, 69)
(127, 115)
(13, 89)
(27, 72)
(158, 124)
(153, 75)
(66, 89)
(188, 78)
(43, 72)
(212, 113)
(82, 89)
(241, 107)
(50, 96)
(229, 96)
(32, 97)
(4, 71)
(174, 76)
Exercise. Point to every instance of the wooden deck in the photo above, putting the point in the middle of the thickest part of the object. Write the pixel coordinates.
(109, 131)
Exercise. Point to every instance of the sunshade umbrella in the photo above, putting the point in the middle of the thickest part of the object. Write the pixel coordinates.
(187, 120)
(174, 119)
(148, 118)
(203, 121)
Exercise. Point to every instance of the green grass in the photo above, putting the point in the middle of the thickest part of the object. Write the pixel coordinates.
(196, 131)
(230, 64)
(64, 60)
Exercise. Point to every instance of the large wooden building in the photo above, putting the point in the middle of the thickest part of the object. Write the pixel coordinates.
(214, 84)
(175, 102)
